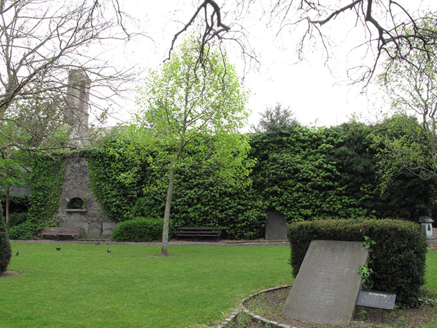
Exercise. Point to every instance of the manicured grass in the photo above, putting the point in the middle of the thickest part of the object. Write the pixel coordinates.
(431, 276)
(84, 286)
(431, 272)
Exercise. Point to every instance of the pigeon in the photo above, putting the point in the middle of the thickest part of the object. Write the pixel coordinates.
(98, 242)
(58, 248)
(108, 244)
(17, 254)
(108, 250)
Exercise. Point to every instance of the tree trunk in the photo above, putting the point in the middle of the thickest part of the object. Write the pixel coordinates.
(7, 204)
(164, 251)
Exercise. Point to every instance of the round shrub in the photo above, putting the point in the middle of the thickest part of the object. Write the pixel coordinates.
(5, 246)
(140, 230)
(26, 230)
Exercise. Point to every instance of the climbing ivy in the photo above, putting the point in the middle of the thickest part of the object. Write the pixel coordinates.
(46, 184)
(204, 199)
(295, 176)
(108, 168)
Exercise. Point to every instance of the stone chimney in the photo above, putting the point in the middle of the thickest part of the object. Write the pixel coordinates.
(76, 113)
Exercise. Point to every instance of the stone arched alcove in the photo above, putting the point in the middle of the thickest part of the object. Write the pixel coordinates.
(75, 203)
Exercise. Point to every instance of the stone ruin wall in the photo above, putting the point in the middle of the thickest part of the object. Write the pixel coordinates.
(89, 217)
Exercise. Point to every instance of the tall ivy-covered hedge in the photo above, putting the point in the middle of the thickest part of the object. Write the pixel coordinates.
(294, 174)
(116, 192)
(355, 158)
(304, 173)
(47, 178)
(5, 246)
(202, 199)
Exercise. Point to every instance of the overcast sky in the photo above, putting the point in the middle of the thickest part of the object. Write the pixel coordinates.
(317, 94)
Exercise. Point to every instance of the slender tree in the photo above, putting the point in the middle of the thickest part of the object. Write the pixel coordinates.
(190, 113)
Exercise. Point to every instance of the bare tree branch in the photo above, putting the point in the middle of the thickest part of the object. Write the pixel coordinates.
(42, 40)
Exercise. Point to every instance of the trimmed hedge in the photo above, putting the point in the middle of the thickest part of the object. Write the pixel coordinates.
(25, 230)
(5, 246)
(140, 230)
(397, 259)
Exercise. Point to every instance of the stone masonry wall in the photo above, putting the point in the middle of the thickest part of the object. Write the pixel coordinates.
(93, 223)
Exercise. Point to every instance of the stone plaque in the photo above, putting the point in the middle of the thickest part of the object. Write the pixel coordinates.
(326, 288)
(276, 226)
(376, 299)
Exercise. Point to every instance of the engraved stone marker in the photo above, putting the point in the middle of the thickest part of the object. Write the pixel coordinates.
(326, 288)
(376, 299)
(276, 226)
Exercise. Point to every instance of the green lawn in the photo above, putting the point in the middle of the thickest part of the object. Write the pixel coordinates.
(84, 286)
(431, 271)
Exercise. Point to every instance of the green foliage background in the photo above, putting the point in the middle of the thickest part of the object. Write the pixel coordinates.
(304, 173)
(46, 185)
(295, 175)
(107, 169)
(203, 199)
(358, 155)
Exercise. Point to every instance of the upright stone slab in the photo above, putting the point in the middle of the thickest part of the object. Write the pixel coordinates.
(326, 288)
(276, 226)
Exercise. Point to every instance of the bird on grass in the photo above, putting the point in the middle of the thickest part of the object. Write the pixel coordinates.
(109, 251)
(58, 248)
(108, 244)
(17, 254)
(98, 242)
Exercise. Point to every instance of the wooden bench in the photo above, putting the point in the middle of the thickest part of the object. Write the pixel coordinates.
(73, 232)
(198, 232)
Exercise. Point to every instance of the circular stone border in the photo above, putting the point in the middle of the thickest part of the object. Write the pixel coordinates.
(253, 315)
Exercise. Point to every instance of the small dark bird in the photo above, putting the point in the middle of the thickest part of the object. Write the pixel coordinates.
(108, 244)
(108, 250)
(58, 248)
(18, 253)
(98, 242)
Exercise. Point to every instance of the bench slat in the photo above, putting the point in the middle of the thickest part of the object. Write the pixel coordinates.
(74, 232)
(198, 232)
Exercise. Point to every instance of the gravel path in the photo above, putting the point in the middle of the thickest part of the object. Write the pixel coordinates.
(170, 243)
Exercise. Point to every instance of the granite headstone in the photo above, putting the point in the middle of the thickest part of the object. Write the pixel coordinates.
(326, 288)
(276, 226)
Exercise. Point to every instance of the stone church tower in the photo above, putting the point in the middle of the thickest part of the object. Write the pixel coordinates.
(78, 207)
(76, 113)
